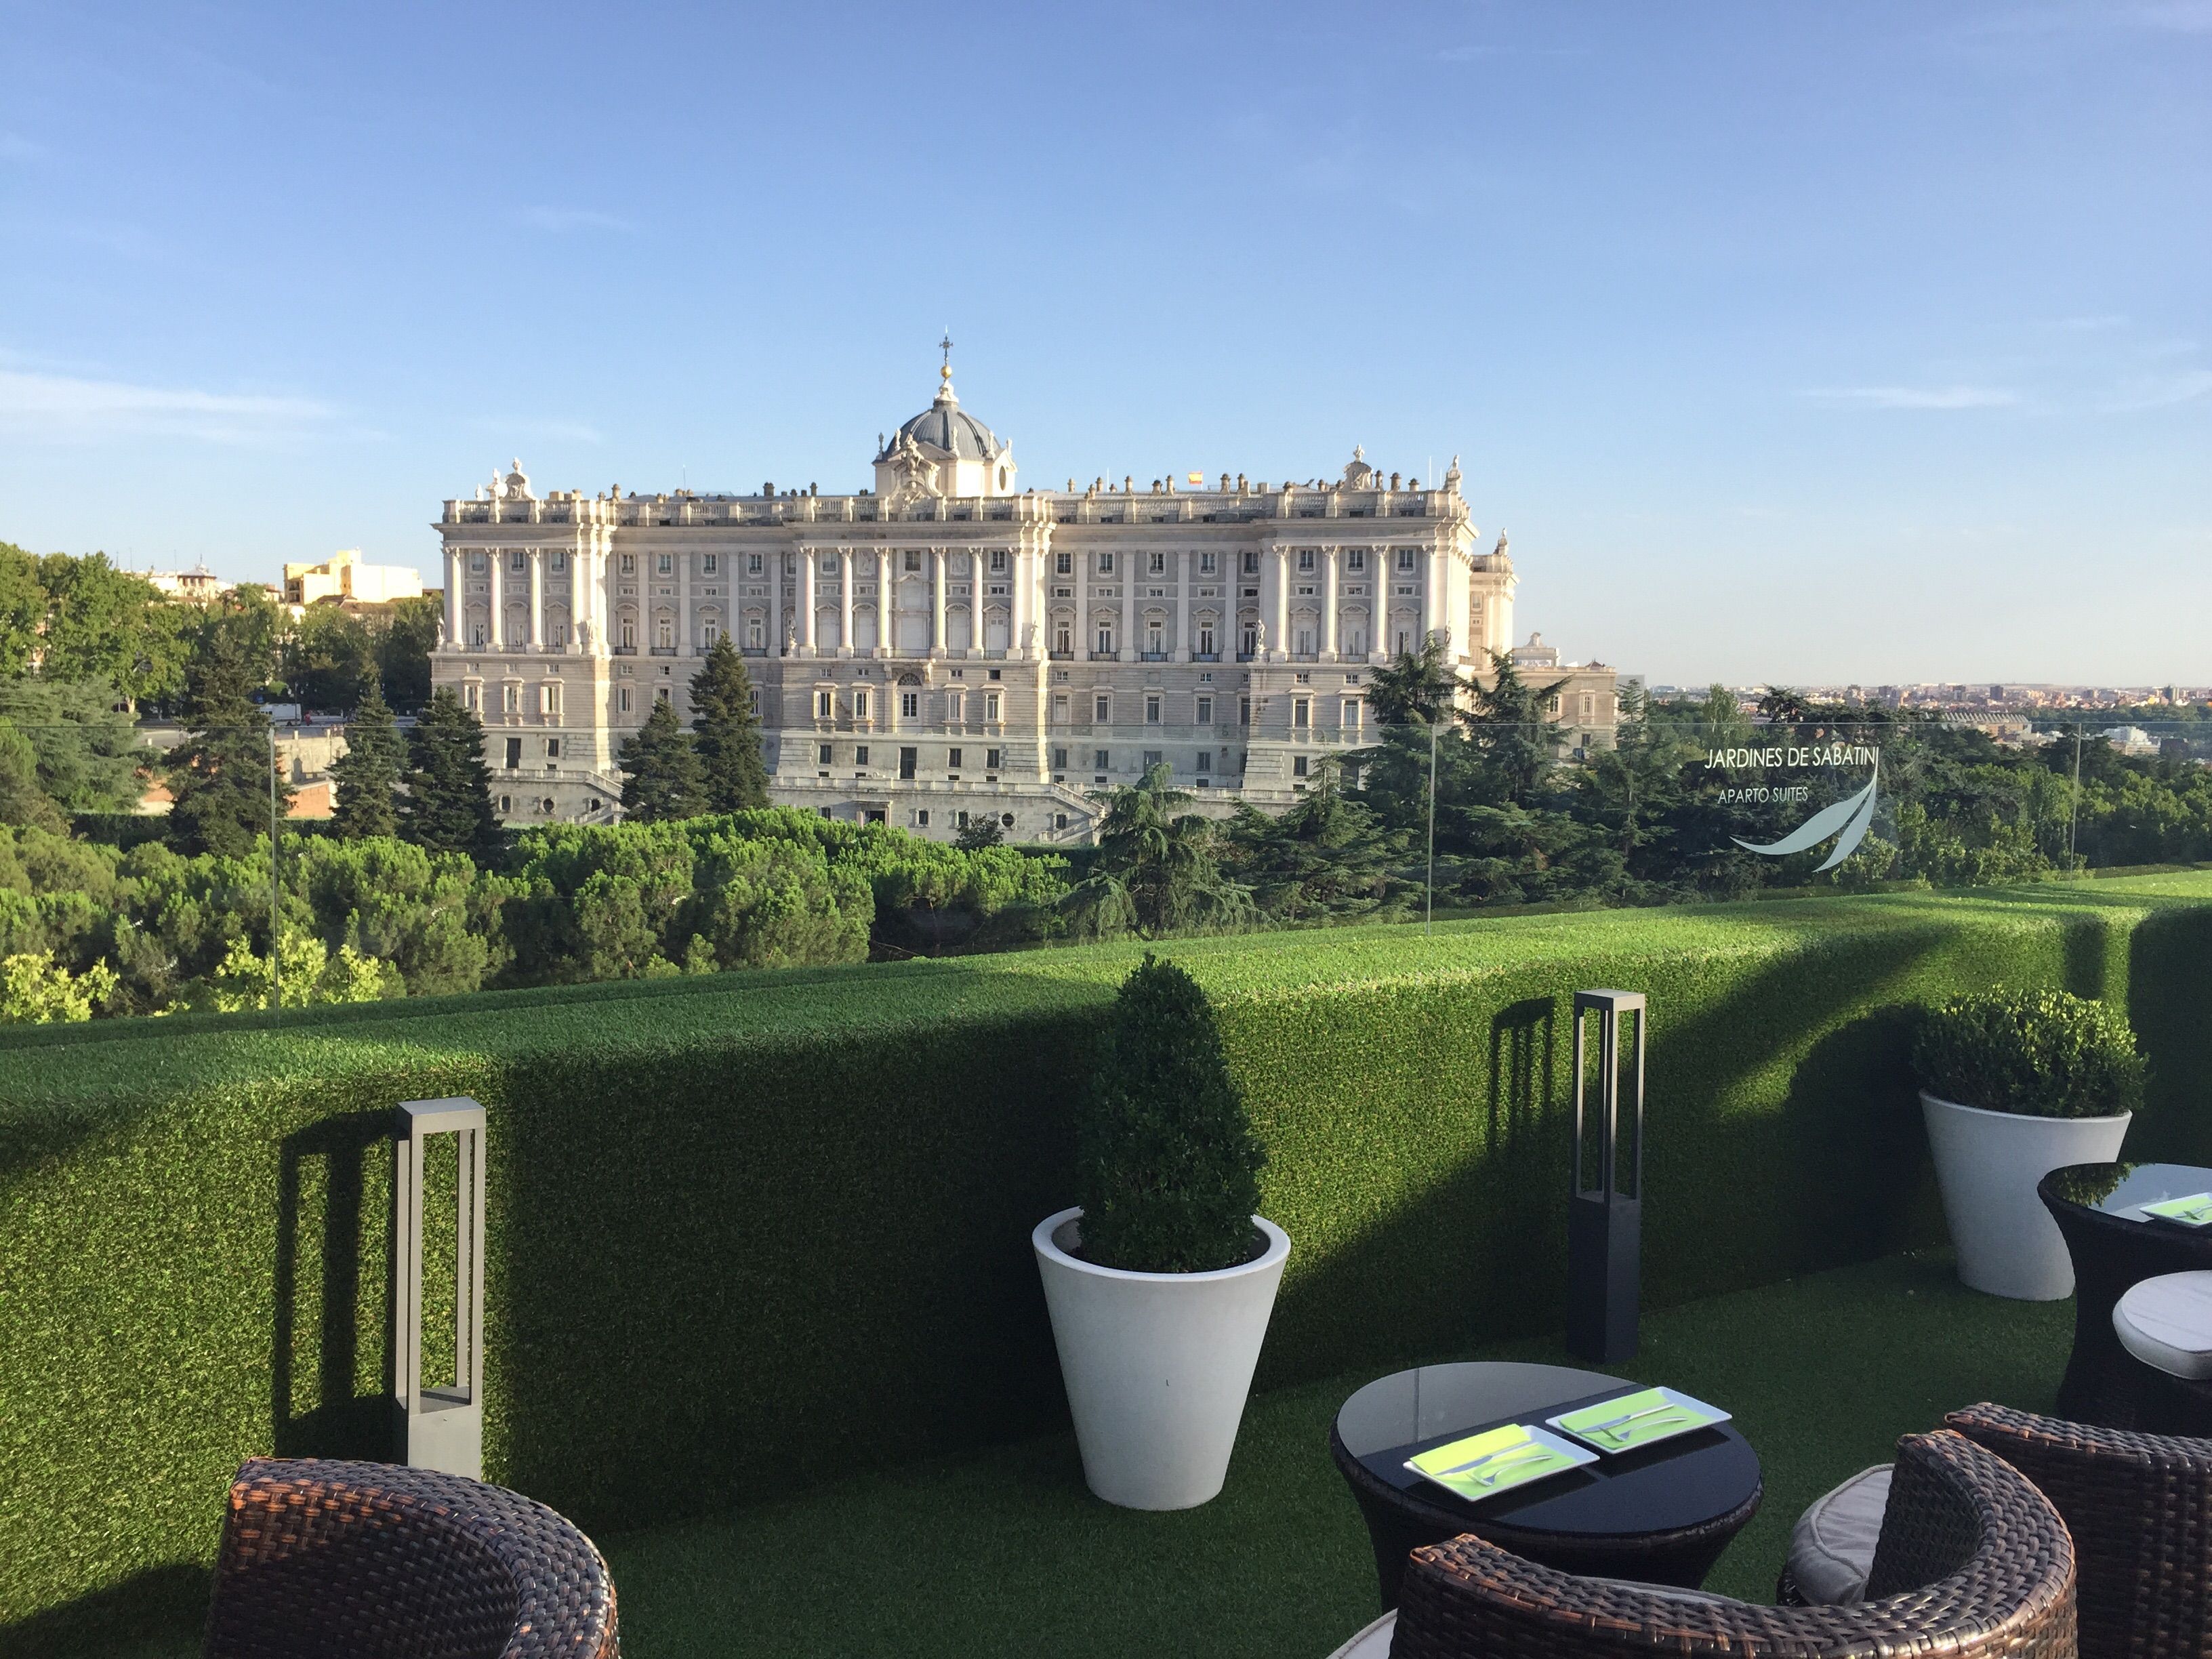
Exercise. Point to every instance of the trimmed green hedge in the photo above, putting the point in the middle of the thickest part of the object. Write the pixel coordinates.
(749, 1232)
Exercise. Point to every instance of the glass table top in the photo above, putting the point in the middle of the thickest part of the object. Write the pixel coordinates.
(2122, 1189)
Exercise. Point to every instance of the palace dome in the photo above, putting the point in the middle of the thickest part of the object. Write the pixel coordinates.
(948, 429)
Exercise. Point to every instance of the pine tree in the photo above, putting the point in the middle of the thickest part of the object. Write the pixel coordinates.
(733, 774)
(448, 805)
(368, 774)
(664, 779)
(220, 775)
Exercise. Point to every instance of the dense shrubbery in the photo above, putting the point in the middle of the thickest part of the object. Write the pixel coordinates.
(2039, 1053)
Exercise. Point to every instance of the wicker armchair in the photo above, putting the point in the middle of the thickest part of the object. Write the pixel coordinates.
(2140, 1509)
(374, 1561)
(1973, 1561)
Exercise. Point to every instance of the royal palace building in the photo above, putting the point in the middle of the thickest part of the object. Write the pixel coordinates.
(948, 645)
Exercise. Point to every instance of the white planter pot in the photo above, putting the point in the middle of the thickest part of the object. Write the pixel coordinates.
(1158, 1365)
(1987, 1165)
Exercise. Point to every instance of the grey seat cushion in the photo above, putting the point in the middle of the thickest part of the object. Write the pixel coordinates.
(2166, 1322)
(1374, 1641)
(1832, 1547)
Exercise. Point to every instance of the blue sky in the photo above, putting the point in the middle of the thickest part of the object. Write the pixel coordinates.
(1791, 340)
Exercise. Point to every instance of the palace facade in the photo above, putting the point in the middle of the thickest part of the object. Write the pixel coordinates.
(947, 645)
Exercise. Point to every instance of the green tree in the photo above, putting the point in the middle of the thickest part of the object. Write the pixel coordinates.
(733, 775)
(662, 778)
(329, 658)
(89, 754)
(1416, 688)
(22, 802)
(403, 643)
(448, 805)
(22, 608)
(981, 831)
(1328, 859)
(1510, 728)
(1167, 1167)
(106, 624)
(222, 774)
(367, 775)
(1157, 871)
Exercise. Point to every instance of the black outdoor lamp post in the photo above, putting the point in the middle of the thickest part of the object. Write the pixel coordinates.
(1605, 1225)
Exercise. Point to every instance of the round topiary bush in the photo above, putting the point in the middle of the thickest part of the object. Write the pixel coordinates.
(2040, 1054)
(1167, 1168)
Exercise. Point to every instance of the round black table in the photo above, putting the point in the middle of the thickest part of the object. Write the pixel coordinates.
(2099, 1209)
(1662, 1514)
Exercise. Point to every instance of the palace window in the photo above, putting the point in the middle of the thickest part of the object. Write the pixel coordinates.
(998, 561)
(1151, 711)
(1155, 638)
(1205, 713)
(1159, 564)
(548, 700)
(859, 754)
(1105, 564)
(755, 634)
(1060, 707)
(476, 562)
(622, 700)
(1248, 641)
(1205, 762)
(511, 702)
(1060, 760)
(1152, 757)
(1106, 638)
(476, 633)
(992, 758)
(1205, 564)
(1104, 705)
(552, 749)
(1405, 558)
(1300, 712)
(1355, 712)
(518, 559)
(825, 705)
(709, 631)
(1063, 564)
(909, 705)
(956, 707)
(990, 706)
(753, 567)
(709, 563)
(1098, 759)
(910, 561)
(1244, 711)
(1206, 639)
(1305, 559)
(1251, 561)
(1297, 766)
(1305, 641)
(1356, 559)
(952, 759)
(860, 702)
(630, 564)
(560, 558)
(664, 633)
(829, 564)
(667, 564)
(1063, 635)
(473, 695)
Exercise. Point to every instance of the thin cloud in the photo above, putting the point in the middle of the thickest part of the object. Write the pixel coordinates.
(560, 221)
(558, 432)
(2163, 393)
(74, 407)
(1913, 397)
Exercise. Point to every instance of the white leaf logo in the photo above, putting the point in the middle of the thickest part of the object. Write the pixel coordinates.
(1853, 816)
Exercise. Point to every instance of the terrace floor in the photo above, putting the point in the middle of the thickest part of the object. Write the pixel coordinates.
(1004, 1551)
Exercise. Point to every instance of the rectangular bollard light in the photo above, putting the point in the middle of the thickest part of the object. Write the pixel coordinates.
(1605, 1225)
(441, 1425)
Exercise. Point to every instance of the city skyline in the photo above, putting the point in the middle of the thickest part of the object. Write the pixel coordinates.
(1789, 348)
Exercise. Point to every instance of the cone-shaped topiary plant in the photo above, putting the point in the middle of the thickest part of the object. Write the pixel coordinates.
(1167, 1169)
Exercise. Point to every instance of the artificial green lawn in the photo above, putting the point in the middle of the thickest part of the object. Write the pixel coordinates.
(1004, 1553)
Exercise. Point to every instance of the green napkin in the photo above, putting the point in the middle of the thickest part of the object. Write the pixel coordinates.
(1638, 1420)
(1497, 1460)
(2195, 1211)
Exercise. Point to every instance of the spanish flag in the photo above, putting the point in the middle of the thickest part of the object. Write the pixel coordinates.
(1195, 478)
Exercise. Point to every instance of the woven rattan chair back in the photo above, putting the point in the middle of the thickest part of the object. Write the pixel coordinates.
(374, 1561)
(2140, 1509)
(1975, 1560)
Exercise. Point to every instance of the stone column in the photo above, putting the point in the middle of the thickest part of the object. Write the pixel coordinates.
(1329, 640)
(1279, 624)
(496, 600)
(806, 646)
(537, 598)
(1018, 600)
(683, 641)
(844, 601)
(937, 602)
(1180, 649)
(885, 611)
(456, 562)
(775, 603)
(1434, 616)
(1128, 566)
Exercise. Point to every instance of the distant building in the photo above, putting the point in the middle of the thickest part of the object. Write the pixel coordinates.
(2131, 740)
(198, 586)
(345, 576)
(951, 645)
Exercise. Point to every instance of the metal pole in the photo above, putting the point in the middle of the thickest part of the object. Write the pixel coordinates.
(2073, 806)
(1429, 921)
(275, 889)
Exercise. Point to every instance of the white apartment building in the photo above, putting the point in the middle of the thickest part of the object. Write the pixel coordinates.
(947, 644)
